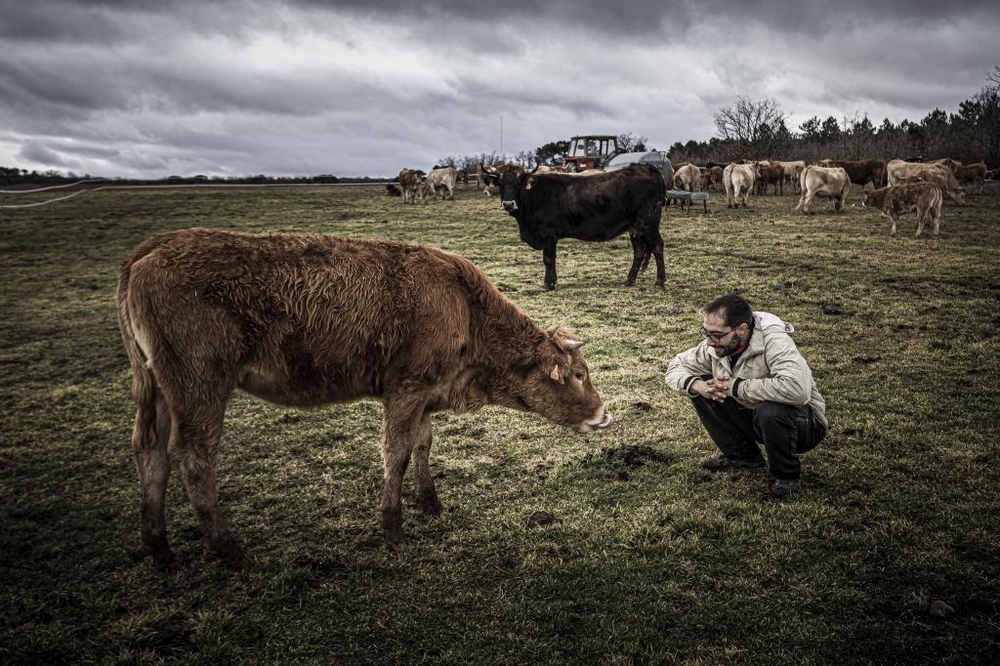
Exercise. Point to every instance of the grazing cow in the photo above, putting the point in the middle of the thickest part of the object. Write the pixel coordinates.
(924, 199)
(827, 182)
(738, 179)
(861, 172)
(551, 206)
(307, 320)
(392, 190)
(908, 172)
(972, 174)
(792, 171)
(687, 178)
(441, 180)
(410, 182)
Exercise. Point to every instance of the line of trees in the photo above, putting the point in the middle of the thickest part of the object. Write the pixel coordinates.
(757, 129)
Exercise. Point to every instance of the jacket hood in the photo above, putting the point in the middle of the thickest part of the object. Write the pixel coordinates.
(766, 320)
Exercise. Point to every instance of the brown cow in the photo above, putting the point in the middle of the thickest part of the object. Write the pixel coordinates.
(974, 174)
(770, 173)
(307, 320)
(738, 180)
(924, 199)
(861, 172)
(828, 182)
(950, 164)
(411, 182)
(712, 177)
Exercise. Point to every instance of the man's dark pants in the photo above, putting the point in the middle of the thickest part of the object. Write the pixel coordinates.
(785, 430)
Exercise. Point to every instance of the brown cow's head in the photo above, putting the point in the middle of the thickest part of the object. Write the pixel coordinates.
(558, 385)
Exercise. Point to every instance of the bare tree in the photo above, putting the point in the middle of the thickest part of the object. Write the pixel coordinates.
(750, 124)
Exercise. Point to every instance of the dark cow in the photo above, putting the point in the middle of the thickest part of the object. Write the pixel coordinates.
(551, 206)
(308, 320)
(924, 199)
(861, 172)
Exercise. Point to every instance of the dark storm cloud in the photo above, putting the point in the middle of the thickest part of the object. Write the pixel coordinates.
(362, 87)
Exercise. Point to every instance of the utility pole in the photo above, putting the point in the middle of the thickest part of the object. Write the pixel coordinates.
(501, 136)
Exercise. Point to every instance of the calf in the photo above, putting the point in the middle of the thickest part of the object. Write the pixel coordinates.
(924, 199)
(308, 320)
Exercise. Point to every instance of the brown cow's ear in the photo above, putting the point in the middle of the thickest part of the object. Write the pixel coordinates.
(556, 376)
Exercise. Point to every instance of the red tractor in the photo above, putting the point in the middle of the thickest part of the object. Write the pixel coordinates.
(590, 152)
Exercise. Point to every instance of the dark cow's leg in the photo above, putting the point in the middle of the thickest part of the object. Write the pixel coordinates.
(549, 259)
(149, 442)
(427, 498)
(640, 254)
(656, 243)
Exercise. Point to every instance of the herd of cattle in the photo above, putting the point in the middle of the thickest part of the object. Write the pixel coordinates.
(596, 205)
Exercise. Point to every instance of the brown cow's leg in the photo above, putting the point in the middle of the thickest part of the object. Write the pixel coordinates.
(427, 498)
(194, 452)
(149, 443)
(398, 426)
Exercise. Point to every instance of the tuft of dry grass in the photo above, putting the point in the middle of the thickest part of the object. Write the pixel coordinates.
(645, 559)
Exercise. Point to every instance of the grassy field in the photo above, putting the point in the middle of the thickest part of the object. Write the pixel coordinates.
(890, 554)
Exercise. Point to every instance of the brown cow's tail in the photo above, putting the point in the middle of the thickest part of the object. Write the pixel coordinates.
(144, 389)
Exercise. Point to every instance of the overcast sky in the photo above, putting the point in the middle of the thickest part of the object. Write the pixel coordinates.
(152, 88)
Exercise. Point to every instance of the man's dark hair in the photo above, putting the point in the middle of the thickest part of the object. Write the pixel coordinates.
(735, 310)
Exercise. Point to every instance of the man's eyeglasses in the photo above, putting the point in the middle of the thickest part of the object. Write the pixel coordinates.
(716, 337)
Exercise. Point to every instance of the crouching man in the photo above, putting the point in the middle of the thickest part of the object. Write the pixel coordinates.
(750, 385)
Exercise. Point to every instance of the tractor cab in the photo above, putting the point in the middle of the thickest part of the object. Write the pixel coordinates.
(590, 152)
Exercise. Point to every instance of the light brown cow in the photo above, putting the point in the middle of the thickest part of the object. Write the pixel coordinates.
(793, 171)
(688, 179)
(411, 182)
(924, 199)
(972, 174)
(909, 172)
(308, 320)
(738, 179)
(441, 180)
(827, 182)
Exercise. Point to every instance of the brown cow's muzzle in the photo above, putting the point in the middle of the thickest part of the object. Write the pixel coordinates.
(603, 422)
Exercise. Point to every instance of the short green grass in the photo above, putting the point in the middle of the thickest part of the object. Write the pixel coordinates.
(889, 555)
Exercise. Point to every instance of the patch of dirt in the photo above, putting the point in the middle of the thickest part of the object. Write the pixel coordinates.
(636, 455)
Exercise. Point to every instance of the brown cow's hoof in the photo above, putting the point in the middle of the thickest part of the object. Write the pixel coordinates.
(430, 505)
(163, 558)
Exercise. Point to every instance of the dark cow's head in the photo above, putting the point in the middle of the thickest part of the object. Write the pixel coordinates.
(510, 185)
